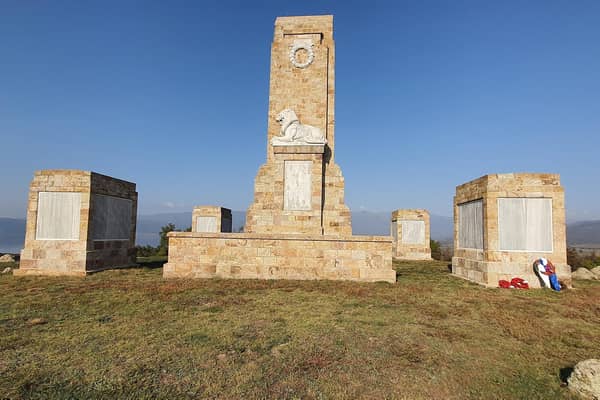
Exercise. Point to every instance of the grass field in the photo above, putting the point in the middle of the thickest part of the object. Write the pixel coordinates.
(131, 334)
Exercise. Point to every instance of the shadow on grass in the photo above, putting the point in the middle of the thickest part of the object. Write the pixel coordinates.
(565, 373)
(150, 262)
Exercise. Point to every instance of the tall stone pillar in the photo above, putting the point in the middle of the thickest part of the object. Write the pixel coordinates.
(300, 190)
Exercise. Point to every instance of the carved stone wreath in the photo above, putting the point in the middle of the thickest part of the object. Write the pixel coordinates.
(302, 46)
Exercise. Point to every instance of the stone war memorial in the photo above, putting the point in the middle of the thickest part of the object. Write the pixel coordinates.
(411, 233)
(298, 226)
(78, 222)
(504, 222)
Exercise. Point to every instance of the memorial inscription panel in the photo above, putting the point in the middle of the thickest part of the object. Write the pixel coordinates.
(111, 218)
(206, 224)
(470, 225)
(413, 232)
(525, 224)
(297, 186)
(58, 216)
(395, 230)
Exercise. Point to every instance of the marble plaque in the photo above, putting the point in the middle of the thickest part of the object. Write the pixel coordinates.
(395, 231)
(297, 186)
(111, 218)
(58, 216)
(206, 224)
(470, 225)
(413, 232)
(525, 224)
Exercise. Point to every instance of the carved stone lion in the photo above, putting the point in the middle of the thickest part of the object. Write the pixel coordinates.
(293, 132)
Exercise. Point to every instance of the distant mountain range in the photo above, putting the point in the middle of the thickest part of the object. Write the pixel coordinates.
(12, 230)
(584, 233)
(12, 234)
(363, 223)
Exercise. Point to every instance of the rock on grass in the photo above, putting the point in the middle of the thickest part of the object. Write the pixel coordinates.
(7, 258)
(585, 379)
(583, 273)
(37, 321)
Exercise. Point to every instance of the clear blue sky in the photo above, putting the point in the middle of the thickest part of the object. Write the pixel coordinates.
(173, 96)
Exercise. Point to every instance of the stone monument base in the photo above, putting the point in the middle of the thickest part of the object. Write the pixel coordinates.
(272, 256)
(488, 273)
(504, 222)
(410, 230)
(78, 222)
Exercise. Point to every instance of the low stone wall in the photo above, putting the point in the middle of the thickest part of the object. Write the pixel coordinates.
(268, 256)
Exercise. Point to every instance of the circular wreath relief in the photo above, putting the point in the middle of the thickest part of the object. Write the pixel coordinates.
(309, 59)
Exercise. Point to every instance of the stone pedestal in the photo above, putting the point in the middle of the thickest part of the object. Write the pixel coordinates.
(288, 195)
(78, 222)
(411, 233)
(211, 219)
(504, 222)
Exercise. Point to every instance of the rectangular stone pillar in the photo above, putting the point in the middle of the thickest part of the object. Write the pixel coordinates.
(78, 222)
(504, 222)
(411, 233)
(211, 219)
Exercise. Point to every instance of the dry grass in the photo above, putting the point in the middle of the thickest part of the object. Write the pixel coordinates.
(131, 334)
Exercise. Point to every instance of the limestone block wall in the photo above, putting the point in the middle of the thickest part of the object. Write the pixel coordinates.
(78, 222)
(337, 218)
(504, 222)
(267, 256)
(411, 232)
(211, 219)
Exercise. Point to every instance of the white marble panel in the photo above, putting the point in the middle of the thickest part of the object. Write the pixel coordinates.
(111, 218)
(525, 224)
(206, 224)
(297, 186)
(470, 225)
(58, 216)
(413, 232)
(395, 231)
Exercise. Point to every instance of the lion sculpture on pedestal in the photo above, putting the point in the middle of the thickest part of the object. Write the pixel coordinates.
(293, 132)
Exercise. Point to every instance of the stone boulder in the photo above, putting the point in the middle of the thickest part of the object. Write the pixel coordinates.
(596, 271)
(585, 379)
(583, 273)
(7, 258)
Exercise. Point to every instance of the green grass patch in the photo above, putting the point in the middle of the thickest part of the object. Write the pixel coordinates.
(131, 334)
